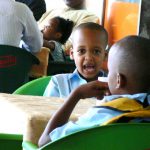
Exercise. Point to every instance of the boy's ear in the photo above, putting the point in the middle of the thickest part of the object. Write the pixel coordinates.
(105, 55)
(71, 54)
(121, 81)
(58, 35)
(104, 63)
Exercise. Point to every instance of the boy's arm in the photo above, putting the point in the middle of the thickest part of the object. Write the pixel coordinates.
(48, 44)
(61, 117)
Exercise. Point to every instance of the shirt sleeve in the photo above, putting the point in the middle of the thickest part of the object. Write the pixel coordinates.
(52, 88)
(94, 117)
(32, 37)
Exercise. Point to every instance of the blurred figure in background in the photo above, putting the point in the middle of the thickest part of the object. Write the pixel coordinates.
(17, 23)
(38, 7)
(74, 10)
(55, 34)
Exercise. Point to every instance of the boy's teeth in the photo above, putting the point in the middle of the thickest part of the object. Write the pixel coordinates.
(89, 68)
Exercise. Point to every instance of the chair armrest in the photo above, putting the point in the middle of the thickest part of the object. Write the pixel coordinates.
(40, 70)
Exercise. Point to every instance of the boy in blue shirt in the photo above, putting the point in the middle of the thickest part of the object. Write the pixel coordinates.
(128, 77)
(89, 44)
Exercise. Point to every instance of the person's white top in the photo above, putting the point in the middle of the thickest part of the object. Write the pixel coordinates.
(17, 23)
(77, 16)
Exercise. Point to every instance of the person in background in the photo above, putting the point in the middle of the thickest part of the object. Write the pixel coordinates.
(38, 7)
(55, 34)
(74, 10)
(127, 92)
(17, 23)
(89, 43)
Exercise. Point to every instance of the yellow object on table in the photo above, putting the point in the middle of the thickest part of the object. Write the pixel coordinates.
(28, 115)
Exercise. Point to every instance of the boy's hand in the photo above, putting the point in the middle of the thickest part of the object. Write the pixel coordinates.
(92, 89)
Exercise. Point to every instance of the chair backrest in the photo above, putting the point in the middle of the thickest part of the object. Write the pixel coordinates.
(10, 142)
(15, 64)
(34, 87)
(120, 136)
(110, 137)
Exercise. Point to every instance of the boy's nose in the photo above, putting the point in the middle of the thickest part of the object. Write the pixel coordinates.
(88, 56)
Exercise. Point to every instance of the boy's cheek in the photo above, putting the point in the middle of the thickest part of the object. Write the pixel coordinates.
(104, 66)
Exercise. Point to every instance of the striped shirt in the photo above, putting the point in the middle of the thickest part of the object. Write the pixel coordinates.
(17, 23)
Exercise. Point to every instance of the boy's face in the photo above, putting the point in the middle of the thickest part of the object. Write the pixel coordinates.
(50, 30)
(88, 52)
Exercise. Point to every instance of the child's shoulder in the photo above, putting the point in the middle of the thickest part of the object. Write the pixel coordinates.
(62, 76)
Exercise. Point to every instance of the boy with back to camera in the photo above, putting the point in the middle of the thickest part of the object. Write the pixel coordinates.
(89, 43)
(127, 91)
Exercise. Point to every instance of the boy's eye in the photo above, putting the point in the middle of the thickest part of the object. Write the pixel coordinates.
(47, 26)
(81, 51)
(97, 51)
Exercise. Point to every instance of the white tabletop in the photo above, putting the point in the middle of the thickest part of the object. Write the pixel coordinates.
(28, 115)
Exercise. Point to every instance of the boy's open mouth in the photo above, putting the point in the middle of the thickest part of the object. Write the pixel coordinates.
(89, 68)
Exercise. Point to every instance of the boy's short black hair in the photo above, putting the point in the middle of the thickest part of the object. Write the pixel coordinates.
(65, 26)
(95, 26)
(133, 53)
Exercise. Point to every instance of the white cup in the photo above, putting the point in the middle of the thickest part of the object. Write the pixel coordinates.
(103, 79)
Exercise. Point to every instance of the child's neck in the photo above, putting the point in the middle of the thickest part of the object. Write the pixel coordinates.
(90, 79)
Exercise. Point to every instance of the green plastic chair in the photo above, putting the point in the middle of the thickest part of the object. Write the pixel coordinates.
(123, 136)
(34, 87)
(10, 142)
(15, 64)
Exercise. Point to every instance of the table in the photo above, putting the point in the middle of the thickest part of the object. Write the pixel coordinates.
(28, 115)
